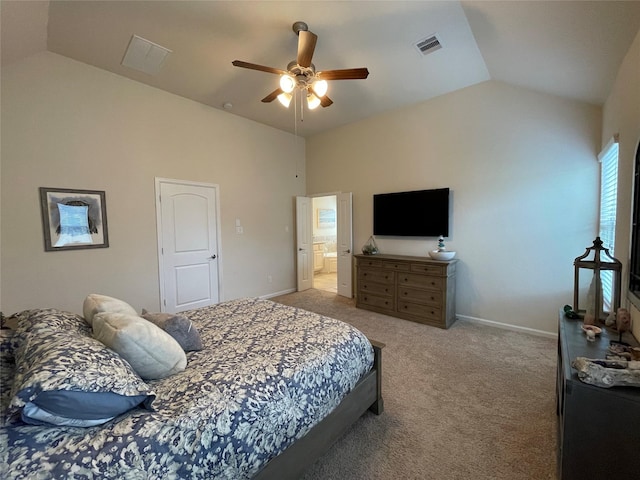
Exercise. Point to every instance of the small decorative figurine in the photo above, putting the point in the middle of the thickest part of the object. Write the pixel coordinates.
(623, 324)
(623, 320)
(441, 247)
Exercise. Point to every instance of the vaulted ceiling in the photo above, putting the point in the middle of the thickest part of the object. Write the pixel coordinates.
(572, 49)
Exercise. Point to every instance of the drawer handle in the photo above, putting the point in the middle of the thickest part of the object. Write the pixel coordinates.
(406, 293)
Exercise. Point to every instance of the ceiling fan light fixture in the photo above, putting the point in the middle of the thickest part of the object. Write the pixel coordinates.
(285, 99)
(320, 87)
(287, 83)
(301, 74)
(312, 101)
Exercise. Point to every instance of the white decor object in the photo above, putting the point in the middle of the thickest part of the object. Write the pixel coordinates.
(442, 255)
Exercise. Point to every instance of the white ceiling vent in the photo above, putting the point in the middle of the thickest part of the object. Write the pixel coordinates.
(428, 45)
(144, 55)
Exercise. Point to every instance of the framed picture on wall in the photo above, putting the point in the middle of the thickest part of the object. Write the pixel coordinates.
(326, 218)
(73, 219)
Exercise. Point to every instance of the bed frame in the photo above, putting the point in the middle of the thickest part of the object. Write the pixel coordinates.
(366, 395)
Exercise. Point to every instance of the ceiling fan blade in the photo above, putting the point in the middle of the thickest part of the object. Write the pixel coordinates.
(306, 45)
(262, 68)
(346, 74)
(272, 96)
(326, 101)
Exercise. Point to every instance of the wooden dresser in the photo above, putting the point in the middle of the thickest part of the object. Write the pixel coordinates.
(598, 428)
(414, 288)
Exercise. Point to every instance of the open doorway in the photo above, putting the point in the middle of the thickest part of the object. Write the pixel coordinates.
(325, 243)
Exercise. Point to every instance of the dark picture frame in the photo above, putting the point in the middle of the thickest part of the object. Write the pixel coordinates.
(73, 219)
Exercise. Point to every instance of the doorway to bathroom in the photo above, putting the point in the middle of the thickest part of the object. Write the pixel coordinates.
(325, 243)
(324, 236)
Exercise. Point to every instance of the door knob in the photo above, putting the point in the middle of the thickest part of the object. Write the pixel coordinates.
(212, 257)
(301, 249)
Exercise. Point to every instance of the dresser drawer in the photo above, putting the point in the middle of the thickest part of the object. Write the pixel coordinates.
(367, 286)
(386, 303)
(369, 262)
(397, 266)
(372, 275)
(421, 281)
(428, 268)
(424, 311)
(428, 297)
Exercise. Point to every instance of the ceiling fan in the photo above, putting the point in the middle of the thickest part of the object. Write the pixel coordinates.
(301, 74)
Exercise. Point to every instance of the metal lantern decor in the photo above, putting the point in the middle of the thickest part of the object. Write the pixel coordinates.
(594, 310)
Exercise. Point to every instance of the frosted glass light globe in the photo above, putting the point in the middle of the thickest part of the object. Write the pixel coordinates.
(287, 83)
(320, 87)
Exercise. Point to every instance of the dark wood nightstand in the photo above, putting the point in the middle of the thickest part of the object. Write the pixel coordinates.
(598, 428)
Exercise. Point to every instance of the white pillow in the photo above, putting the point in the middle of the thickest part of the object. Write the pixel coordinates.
(95, 303)
(150, 351)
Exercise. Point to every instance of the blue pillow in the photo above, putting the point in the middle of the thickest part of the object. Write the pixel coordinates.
(78, 409)
(66, 377)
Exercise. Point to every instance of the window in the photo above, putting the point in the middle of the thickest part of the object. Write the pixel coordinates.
(608, 202)
(634, 264)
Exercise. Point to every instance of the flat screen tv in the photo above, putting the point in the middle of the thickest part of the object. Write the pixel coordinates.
(421, 213)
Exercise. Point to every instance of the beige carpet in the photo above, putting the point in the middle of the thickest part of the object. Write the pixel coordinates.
(470, 402)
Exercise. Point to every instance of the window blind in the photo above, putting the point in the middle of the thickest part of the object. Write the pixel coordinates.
(608, 204)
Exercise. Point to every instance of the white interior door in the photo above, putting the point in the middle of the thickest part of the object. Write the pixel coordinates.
(345, 244)
(304, 242)
(188, 244)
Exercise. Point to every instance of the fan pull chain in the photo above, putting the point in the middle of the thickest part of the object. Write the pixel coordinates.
(301, 107)
(295, 129)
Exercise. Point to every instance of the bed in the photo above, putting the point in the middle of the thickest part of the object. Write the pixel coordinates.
(269, 392)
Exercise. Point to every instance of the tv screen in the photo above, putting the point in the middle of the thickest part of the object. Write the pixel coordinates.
(421, 213)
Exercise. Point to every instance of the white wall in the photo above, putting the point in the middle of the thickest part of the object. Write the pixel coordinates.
(621, 114)
(524, 178)
(69, 125)
(328, 202)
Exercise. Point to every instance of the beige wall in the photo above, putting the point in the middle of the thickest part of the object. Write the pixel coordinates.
(69, 125)
(621, 114)
(523, 173)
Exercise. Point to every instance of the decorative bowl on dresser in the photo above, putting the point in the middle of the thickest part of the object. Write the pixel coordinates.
(413, 288)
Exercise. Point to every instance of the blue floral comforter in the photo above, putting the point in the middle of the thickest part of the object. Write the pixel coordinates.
(267, 374)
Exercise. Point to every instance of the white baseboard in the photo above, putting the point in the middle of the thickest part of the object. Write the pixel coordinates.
(277, 294)
(507, 326)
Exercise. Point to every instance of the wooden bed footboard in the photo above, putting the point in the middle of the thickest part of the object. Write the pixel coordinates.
(366, 395)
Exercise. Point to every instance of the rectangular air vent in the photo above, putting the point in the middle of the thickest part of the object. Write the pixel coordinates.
(428, 45)
(144, 55)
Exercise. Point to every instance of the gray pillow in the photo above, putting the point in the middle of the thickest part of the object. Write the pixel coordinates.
(179, 327)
